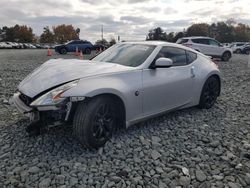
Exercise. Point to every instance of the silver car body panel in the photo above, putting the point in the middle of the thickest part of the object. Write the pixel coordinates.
(160, 90)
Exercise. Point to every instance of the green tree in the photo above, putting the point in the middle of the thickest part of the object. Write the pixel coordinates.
(47, 36)
(103, 42)
(242, 33)
(156, 34)
(178, 35)
(64, 33)
(112, 41)
(201, 29)
(170, 37)
(224, 32)
(18, 33)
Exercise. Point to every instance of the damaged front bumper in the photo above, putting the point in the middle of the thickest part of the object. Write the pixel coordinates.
(49, 115)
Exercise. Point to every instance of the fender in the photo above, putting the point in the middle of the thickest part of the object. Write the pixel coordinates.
(213, 70)
(123, 85)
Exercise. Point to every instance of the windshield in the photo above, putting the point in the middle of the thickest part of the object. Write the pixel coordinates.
(131, 55)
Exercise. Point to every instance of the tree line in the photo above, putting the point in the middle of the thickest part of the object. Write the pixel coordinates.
(225, 32)
(58, 34)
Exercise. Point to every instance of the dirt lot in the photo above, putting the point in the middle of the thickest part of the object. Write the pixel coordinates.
(188, 148)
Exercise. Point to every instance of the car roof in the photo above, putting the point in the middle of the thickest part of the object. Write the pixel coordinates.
(196, 37)
(162, 43)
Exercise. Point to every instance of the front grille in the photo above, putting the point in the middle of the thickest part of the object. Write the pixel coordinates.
(27, 100)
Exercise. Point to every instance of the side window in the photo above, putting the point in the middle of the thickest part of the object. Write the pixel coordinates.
(73, 42)
(201, 41)
(204, 41)
(177, 55)
(213, 43)
(191, 57)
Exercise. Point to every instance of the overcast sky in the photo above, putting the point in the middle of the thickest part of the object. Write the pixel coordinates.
(131, 19)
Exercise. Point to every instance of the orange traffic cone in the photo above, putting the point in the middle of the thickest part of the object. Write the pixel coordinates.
(49, 53)
(76, 52)
(81, 55)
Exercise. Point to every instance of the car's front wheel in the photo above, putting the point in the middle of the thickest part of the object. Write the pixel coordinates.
(87, 51)
(94, 121)
(226, 56)
(210, 92)
(238, 51)
(63, 51)
(247, 52)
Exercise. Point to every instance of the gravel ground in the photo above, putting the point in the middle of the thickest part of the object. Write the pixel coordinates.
(187, 148)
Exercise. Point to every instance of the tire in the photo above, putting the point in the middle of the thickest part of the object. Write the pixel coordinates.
(226, 56)
(247, 52)
(238, 51)
(87, 51)
(94, 121)
(210, 92)
(63, 51)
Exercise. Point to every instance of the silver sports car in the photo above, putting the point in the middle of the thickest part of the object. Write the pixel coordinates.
(127, 83)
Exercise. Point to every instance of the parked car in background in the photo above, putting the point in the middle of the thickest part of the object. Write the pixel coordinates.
(99, 47)
(126, 84)
(71, 46)
(246, 50)
(2, 45)
(237, 47)
(207, 46)
(7, 45)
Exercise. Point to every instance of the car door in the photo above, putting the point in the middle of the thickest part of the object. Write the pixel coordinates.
(215, 48)
(201, 44)
(71, 46)
(168, 88)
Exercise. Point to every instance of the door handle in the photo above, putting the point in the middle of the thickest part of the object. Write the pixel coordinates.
(192, 72)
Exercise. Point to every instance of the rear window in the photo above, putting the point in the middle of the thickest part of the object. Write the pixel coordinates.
(200, 41)
(191, 56)
(181, 41)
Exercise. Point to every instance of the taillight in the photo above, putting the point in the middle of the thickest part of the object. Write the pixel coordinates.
(215, 63)
(187, 45)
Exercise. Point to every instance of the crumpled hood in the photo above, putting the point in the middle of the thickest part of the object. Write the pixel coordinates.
(58, 71)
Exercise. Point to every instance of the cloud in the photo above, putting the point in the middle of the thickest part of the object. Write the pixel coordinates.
(170, 10)
(128, 18)
(135, 19)
(137, 1)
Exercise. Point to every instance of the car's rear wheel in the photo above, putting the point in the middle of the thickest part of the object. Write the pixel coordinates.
(226, 56)
(210, 92)
(94, 121)
(63, 51)
(238, 51)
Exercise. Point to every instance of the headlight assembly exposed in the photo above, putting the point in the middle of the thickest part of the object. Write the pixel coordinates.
(53, 97)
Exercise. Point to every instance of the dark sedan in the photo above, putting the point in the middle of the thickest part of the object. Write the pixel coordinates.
(71, 46)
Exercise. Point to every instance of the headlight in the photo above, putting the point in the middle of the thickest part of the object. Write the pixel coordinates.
(53, 97)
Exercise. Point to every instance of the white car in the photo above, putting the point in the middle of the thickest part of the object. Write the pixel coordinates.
(127, 83)
(207, 46)
(6, 45)
(2, 45)
(237, 47)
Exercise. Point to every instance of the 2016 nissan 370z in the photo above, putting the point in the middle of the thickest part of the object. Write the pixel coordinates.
(127, 83)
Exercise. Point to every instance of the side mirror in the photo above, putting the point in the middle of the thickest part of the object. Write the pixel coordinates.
(163, 62)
